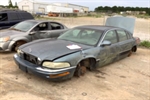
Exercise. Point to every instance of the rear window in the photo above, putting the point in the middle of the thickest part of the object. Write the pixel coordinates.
(25, 15)
(3, 17)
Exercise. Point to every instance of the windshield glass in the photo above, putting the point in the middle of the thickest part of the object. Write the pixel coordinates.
(24, 26)
(84, 36)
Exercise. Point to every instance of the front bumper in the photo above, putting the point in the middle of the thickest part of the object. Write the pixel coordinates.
(45, 73)
(4, 46)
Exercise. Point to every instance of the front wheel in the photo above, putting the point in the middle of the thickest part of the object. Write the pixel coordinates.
(17, 44)
(80, 71)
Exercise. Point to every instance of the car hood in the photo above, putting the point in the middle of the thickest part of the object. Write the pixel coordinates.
(8, 32)
(50, 49)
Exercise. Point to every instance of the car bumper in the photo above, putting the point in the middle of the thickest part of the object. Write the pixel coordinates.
(4, 46)
(54, 75)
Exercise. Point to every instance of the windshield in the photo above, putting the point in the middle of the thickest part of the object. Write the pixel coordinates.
(24, 26)
(84, 36)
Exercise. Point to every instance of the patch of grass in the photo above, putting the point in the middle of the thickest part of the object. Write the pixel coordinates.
(145, 44)
(143, 16)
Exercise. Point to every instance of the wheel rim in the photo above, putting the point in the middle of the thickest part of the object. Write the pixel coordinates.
(80, 71)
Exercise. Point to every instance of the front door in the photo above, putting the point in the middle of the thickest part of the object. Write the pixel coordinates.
(109, 54)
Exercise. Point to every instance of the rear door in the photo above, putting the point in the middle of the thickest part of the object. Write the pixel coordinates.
(125, 43)
(13, 18)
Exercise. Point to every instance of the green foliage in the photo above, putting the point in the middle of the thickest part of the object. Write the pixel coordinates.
(16, 6)
(143, 16)
(10, 5)
(116, 9)
(145, 44)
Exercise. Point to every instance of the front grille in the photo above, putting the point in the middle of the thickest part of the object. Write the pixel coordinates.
(30, 58)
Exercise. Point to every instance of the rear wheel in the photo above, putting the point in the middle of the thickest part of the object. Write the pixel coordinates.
(130, 53)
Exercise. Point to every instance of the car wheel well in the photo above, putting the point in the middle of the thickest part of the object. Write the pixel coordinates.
(88, 63)
(134, 49)
(17, 44)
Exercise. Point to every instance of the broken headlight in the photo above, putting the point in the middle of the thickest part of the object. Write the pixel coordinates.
(19, 52)
(56, 65)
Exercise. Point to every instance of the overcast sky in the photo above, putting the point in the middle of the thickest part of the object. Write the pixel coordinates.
(92, 4)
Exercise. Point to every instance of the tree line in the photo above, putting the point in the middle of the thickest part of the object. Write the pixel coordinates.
(118, 9)
(10, 5)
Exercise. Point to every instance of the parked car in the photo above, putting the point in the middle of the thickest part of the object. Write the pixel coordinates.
(29, 30)
(9, 18)
(75, 51)
(53, 14)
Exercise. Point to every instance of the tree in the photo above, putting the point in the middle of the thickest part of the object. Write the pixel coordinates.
(10, 5)
(16, 6)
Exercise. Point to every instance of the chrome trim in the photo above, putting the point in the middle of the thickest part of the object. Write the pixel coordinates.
(55, 70)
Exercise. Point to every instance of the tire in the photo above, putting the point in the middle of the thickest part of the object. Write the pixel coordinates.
(17, 44)
(80, 71)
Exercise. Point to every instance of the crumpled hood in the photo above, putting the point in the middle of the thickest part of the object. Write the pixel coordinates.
(50, 49)
(8, 32)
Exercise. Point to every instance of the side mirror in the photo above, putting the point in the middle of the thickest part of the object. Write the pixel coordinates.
(106, 43)
(31, 33)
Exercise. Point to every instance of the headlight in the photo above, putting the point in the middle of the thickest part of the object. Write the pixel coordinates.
(19, 52)
(5, 39)
(55, 64)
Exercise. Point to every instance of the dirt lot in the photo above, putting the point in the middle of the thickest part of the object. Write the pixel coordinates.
(127, 79)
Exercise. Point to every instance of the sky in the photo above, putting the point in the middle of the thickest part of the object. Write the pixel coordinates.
(92, 4)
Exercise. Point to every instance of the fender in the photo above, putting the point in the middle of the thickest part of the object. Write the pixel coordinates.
(87, 57)
(13, 41)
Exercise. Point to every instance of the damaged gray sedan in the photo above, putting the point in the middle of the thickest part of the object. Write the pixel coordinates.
(75, 51)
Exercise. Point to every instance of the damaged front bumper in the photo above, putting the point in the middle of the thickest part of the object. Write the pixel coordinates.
(54, 75)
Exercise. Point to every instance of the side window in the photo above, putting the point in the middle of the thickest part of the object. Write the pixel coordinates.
(3, 17)
(56, 26)
(128, 35)
(111, 36)
(27, 16)
(122, 35)
(41, 27)
(13, 16)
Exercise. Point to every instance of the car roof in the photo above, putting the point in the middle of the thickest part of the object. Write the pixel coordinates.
(39, 21)
(13, 11)
(97, 27)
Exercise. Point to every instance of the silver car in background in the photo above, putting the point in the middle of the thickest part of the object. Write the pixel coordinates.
(27, 31)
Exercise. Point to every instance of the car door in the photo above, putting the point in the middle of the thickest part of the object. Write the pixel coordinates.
(109, 54)
(47, 30)
(125, 43)
(39, 31)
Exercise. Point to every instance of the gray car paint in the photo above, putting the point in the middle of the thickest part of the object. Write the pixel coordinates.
(26, 36)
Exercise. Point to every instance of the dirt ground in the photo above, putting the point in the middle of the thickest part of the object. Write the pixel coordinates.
(127, 79)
